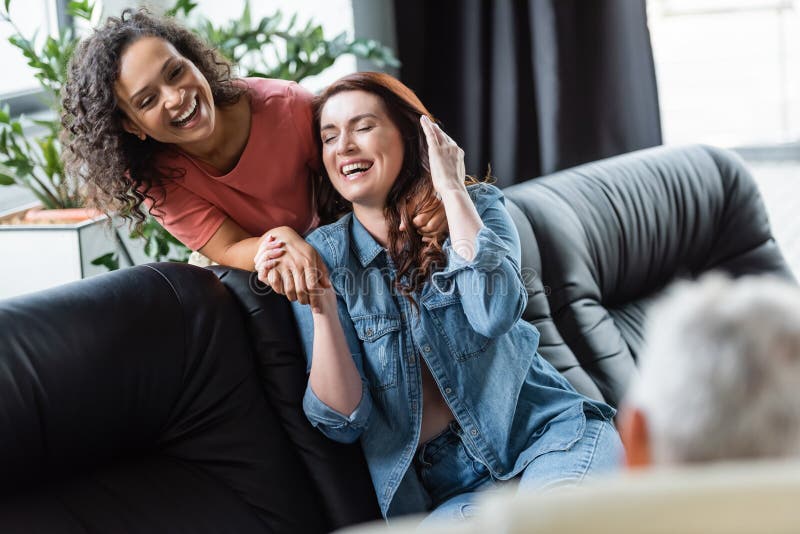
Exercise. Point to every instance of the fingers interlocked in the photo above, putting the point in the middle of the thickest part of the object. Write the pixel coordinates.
(291, 267)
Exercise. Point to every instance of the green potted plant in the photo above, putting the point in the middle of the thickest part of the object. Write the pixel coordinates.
(55, 241)
(34, 161)
(272, 47)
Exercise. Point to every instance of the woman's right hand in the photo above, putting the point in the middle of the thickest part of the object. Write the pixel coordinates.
(446, 159)
(297, 272)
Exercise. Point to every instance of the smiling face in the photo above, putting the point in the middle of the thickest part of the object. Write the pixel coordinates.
(362, 148)
(162, 94)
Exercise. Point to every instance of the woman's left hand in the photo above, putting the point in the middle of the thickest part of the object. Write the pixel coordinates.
(291, 267)
(446, 159)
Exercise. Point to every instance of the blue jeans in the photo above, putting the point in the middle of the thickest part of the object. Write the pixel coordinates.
(452, 477)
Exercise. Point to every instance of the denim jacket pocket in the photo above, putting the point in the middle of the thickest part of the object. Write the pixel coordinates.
(380, 339)
(447, 313)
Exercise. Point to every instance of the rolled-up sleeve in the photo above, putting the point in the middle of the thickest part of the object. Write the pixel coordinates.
(490, 285)
(335, 425)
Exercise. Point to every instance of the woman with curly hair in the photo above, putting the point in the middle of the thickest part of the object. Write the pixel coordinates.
(418, 349)
(153, 116)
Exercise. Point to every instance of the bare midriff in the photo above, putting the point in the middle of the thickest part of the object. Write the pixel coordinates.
(436, 415)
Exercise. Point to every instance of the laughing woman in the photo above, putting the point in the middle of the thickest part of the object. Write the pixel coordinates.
(419, 349)
(153, 116)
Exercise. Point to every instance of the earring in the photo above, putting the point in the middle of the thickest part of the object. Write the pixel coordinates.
(142, 136)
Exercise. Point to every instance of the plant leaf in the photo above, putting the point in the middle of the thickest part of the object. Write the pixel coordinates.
(245, 20)
(82, 10)
(185, 6)
(151, 248)
(6, 179)
(110, 261)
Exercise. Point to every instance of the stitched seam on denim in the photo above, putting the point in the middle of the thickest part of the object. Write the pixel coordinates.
(326, 234)
(393, 325)
(459, 355)
(432, 303)
(592, 453)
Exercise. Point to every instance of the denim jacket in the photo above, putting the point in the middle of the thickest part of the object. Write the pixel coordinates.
(511, 404)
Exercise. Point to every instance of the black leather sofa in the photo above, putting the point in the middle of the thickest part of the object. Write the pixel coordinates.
(166, 398)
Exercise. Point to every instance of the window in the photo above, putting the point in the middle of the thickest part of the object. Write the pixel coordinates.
(729, 75)
(728, 70)
(30, 16)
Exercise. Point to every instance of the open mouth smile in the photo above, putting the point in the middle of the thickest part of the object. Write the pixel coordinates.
(187, 116)
(354, 170)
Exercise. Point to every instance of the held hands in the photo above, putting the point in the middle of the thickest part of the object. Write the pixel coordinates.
(292, 267)
(446, 159)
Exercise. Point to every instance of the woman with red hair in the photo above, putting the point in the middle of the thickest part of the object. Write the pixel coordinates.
(418, 348)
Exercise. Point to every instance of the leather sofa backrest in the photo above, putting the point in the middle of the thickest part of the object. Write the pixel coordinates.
(129, 402)
(601, 242)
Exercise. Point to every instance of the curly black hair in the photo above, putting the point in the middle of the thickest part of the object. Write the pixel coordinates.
(117, 168)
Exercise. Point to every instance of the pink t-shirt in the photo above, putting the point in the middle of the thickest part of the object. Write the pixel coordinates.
(270, 185)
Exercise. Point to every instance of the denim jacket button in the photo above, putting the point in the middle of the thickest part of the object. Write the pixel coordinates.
(426, 348)
(368, 332)
(474, 431)
(448, 391)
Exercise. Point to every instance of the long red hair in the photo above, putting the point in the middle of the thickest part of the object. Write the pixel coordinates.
(412, 192)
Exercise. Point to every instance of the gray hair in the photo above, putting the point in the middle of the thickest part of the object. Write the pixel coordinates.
(720, 375)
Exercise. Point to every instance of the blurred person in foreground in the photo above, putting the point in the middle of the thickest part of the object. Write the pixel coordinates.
(720, 376)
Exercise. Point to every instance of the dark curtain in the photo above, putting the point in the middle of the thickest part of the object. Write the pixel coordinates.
(532, 86)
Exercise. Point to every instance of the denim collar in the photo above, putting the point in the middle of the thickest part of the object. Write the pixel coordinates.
(363, 244)
(367, 249)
